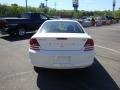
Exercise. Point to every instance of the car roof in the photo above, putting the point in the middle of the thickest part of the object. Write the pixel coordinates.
(64, 20)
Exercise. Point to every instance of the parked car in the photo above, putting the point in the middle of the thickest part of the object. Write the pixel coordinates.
(105, 20)
(19, 26)
(61, 44)
(98, 22)
(86, 23)
(117, 20)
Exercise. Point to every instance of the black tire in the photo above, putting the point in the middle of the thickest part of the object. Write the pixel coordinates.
(11, 34)
(21, 31)
(36, 69)
(39, 69)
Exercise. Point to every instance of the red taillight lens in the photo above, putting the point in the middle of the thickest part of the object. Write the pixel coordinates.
(89, 45)
(34, 44)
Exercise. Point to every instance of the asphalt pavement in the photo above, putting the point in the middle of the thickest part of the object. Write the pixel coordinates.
(16, 71)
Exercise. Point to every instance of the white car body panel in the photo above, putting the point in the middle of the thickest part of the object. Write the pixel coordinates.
(48, 59)
(61, 54)
(74, 41)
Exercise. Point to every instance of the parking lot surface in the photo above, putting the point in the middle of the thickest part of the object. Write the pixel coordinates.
(16, 71)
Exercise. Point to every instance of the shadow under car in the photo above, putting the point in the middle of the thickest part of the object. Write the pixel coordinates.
(92, 78)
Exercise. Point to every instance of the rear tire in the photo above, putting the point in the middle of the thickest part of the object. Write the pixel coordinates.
(21, 31)
(37, 69)
(11, 34)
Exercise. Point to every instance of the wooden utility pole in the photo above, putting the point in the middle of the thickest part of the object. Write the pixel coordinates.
(114, 4)
(46, 3)
(55, 5)
(26, 6)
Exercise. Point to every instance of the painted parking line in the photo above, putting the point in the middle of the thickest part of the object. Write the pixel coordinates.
(108, 49)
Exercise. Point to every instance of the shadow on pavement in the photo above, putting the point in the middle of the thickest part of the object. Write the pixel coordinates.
(92, 78)
(17, 38)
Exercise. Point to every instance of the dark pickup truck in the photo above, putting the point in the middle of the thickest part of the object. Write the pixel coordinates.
(19, 26)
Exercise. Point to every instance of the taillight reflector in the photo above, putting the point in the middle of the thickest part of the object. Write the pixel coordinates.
(34, 44)
(89, 45)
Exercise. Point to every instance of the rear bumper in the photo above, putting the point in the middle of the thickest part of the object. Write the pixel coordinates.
(7, 29)
(3, 30)
(48, 59)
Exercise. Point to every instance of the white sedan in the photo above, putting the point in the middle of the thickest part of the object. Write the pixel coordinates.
(61, 44)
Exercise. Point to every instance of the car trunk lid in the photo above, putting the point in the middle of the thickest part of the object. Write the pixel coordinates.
(61, 41)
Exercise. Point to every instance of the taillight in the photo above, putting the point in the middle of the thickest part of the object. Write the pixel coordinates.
(89, 45)
(4, 23)
(34, 44)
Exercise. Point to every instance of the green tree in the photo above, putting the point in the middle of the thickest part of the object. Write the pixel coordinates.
(117, 13)
(15, 10)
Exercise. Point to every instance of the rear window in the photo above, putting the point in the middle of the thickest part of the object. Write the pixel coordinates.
(61, 27)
